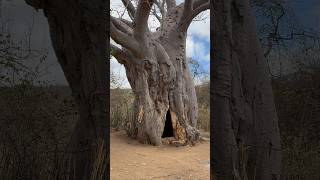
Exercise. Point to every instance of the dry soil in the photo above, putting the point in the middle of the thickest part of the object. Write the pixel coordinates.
(131, 160)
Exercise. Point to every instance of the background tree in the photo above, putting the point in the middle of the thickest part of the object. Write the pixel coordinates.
(199, 75)
(246, 139)
(157, 68)
(78, 33)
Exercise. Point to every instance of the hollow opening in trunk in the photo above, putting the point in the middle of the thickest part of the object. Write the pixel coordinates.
(168, 130)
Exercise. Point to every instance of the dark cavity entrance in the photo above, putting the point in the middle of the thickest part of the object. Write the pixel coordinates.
(168, 130)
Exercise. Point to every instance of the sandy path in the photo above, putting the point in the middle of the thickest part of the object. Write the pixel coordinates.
(131, 160)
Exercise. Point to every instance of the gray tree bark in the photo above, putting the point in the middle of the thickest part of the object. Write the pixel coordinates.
(78, 33)
(157, 70)
(246, 140)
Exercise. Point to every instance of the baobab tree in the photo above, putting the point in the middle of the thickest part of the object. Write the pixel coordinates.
(78, 31)
(246, 140)
(157, 68)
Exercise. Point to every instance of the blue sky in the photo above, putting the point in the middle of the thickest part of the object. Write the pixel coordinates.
(307, 12)
(199, 50)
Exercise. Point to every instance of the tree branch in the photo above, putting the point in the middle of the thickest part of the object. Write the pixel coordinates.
(199, 3)
(124, 39)
(191, 10)
(188, 7)
(121, 56)
(154, 12)
(161, 8)
(204, 5)
(129, 6)
(141, 18)
(128, 23)
(122, 26)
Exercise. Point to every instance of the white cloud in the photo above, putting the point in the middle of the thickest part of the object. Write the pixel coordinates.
(201, 28)
(197, 49)
(207, 57)
(190, 46)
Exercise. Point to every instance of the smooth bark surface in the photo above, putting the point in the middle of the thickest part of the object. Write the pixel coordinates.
(246, 140)
(78, 33)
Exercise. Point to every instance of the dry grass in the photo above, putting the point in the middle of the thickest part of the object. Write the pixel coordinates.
(204, 118)
(297, 102)
(121, 103)
(35, 125)
(100, 159)
(301, 160)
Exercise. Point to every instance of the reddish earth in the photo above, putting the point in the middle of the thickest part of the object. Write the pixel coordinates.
(132, 160)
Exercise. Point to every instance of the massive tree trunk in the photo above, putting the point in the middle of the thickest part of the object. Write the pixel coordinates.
(78, 33)
(246, 140)
(157, 70)
(161, 82)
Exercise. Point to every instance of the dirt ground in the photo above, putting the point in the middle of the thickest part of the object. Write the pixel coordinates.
(131, 160)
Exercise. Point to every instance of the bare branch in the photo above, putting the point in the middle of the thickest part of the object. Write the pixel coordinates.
(122, 26)
(129, 6)
(269, 48)
(272, 35)
(199, 3)
(121, 56)
(204, 5)
(188, 7)
(164, 10)
(128, 23)
(141, 18)
(191, 10)
(154, 12)
(124, 39)
(161, 7)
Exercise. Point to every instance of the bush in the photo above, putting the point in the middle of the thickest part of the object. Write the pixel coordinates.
(121, 108)
(203, 97)
(35, 126)
(121, 104)
(297, 98)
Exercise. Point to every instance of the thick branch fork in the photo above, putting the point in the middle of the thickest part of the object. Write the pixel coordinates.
(133, 36)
